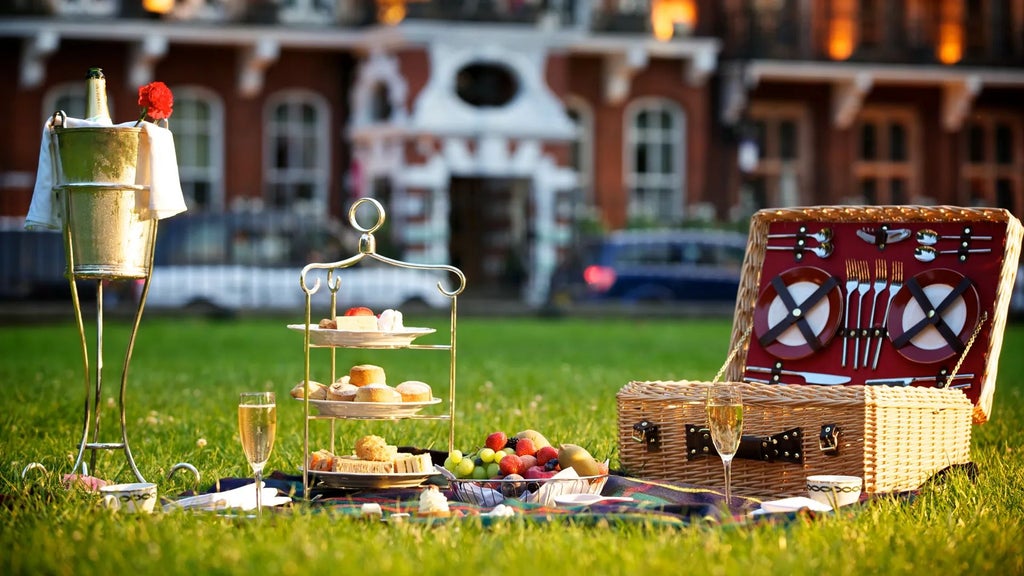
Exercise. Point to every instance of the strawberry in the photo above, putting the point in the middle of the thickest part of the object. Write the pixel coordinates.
(496, 441)
(510, 464)
(359, 311)
(546, 453)
(525, 447)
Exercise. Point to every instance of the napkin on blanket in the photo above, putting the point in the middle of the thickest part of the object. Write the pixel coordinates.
(157, 168)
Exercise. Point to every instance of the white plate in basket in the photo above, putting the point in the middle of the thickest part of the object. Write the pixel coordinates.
(356, 480)
(351, 409)
(332, 337)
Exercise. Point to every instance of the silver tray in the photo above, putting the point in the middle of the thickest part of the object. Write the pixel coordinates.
(355, 480)
(350, 409)
(369, 339)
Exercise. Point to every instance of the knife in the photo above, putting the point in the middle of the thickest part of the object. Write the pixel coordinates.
(809, 377)
(908, 380)
(891, 237)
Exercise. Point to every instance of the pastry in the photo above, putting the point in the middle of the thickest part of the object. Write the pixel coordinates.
(375, 448)
(356, 323)
(364, 374)
(433, 504)
(342, 391)
(390, 321)
(377, 393)
(415, 391)
(317, 391)
(328, 324)
(353, 465)
(413, 463)
(321, 460)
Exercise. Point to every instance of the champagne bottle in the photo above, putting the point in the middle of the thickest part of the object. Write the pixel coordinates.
(96, 98)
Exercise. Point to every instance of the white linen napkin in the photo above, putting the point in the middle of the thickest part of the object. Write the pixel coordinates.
(243, 498)
(157, 168)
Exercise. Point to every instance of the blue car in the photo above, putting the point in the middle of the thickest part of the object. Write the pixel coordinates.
(653, 266)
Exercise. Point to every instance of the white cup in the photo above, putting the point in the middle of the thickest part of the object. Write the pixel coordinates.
(135, 497)
(836, 491)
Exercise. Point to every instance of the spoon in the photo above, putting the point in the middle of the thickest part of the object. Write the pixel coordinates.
(823, 250)
(927, 253)
(587, 499)
(822, 236)
(931, 237)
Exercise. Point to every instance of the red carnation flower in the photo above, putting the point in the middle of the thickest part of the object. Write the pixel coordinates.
(156, 100)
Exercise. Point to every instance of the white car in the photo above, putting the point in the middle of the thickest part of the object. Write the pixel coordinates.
(237, 287)
(253, 262)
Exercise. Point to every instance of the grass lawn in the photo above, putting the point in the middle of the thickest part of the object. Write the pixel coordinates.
(556, 376)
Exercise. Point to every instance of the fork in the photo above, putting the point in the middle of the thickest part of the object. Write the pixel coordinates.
(881, 280)
(864, 284)
(851, 285)
(895, 283)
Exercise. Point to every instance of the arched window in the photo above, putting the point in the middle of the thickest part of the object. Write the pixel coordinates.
(654, 148)
(70, 97)
(198, 128)
(296, 150)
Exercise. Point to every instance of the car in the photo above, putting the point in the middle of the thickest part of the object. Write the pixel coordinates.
(252, 261)
(653, 266)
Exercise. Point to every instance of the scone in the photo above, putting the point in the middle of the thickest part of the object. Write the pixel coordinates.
(377, 393)
(317, 391)
(415, 391)
(375, 448)
(364, 374)
(342, 391)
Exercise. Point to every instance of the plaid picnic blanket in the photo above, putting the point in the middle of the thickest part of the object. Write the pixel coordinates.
(654, 502)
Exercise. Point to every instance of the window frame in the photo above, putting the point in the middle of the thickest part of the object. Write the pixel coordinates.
(671, 183)
(770, 165)
(884, 170)
(989, 171)
(214, 173)
(318, 176)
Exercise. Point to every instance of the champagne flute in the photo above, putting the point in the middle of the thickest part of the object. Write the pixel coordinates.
(725, 419)
(257, 426)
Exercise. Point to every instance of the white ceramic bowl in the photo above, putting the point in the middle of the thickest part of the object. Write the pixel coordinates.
(836, 491)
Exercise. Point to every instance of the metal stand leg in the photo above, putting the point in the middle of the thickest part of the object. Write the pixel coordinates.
(97, 385)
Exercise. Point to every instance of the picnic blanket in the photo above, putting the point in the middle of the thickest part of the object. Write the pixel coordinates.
(654, 502)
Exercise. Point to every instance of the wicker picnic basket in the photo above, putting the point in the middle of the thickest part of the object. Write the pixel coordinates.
(895, 437)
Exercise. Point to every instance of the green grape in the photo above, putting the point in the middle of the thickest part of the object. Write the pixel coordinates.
(493, 469)
(487, 455)
(479, 473)
(456, 456)
(464, 469)
(450, 465)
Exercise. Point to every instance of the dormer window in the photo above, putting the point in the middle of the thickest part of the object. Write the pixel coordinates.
(485, 85)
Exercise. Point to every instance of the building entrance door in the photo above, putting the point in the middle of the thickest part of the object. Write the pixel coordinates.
(490, 224)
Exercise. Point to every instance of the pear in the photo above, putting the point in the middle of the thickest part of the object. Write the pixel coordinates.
(577, 458)
(539, 441)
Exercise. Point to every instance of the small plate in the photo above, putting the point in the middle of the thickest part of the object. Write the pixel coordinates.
(793, 504)
(824, 317)
(343, 408)
(355, 480)
(928, 346)
(331, 337)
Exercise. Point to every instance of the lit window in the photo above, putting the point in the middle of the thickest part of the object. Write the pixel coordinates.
(296, 151)
(654, 162)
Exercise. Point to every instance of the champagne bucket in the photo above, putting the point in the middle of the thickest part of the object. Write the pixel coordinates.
(108, 240)
(105, 155)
